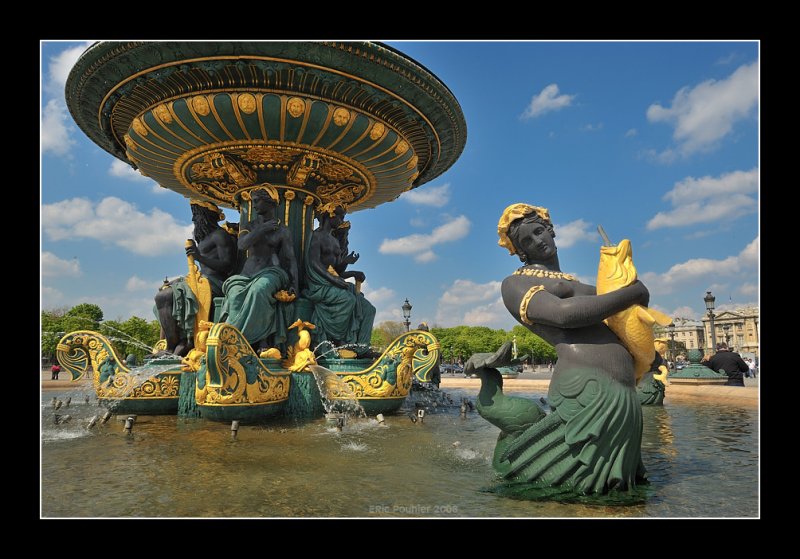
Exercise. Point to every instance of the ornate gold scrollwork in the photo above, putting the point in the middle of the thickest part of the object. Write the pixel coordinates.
(84, 350)
(417, 351)
(229, 360)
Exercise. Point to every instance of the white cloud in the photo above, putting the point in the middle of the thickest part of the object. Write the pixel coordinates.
(378, 296)
(473, 304)
(546, 101)
(631, 133)
(385, 302)
(54, 135)
(684, 312)
(486, 315)
(122, 170)
(417, 222)
(592, 127)
(51, 297)
(748, 289)
(56, 124)
(135, 283)
(53, 266)
(708, 199)
(436, 196)
(698, 268)
(704, 114)
(115, 221)
(722, 61)
(61, 65)
(574, 232)
(421, 245)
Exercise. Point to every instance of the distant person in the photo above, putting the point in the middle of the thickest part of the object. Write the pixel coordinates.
(752, 366)
(54, 370)
(730, 362)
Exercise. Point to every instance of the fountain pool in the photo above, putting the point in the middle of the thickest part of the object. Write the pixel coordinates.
(702, 461)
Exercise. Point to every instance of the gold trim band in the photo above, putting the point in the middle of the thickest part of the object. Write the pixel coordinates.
(526, 299)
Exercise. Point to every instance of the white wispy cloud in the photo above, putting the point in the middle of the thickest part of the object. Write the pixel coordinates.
(547, 100)
(122, 170)
(574, 232)
(748, 289)
(631, 133)
(700, 268)
(592, 127)
(53, 266)
(472, 304)
(135, 283)
(435, 196)
(708, 199)
(385, 301)
(115, 221)
(51, 298)
(684, 311)
(54, 135)
(704, 114)
(56, 124)
(421, 244)
(60, 66)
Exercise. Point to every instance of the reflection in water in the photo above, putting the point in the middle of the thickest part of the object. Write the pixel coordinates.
(702, 460)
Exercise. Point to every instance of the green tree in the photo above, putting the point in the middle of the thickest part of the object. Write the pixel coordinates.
(378, 340)
(390, 329)
(134, 336)
(52, 331)
(87, 310)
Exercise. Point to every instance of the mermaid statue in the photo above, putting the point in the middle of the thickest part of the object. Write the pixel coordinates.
(590, 441)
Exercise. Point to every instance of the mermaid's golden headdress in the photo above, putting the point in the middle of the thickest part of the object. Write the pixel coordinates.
(209, 206)
(513, 213)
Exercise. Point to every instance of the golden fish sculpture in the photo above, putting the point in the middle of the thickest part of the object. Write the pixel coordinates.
(634, 325)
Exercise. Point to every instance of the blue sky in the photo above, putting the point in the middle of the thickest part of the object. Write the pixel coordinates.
(658, 142)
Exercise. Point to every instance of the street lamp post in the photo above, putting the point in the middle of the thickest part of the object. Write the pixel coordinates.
(452, 355)
(709, 300)
(407, 315)
(671, 330)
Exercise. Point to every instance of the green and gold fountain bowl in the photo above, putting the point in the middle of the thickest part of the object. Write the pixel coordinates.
(357, 123)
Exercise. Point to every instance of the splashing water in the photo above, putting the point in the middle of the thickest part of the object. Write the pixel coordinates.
(335, 349)
(346, 401)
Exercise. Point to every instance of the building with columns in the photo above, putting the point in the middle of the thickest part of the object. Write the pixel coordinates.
(738, 328)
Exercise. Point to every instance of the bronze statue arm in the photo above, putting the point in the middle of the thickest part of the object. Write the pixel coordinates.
(225, 250)
(542, 307)
(255, 232)
(359, 276)
(287, 259)
(314, 258)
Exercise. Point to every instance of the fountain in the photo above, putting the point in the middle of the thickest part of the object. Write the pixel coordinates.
(318, 128)
(283, 133)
